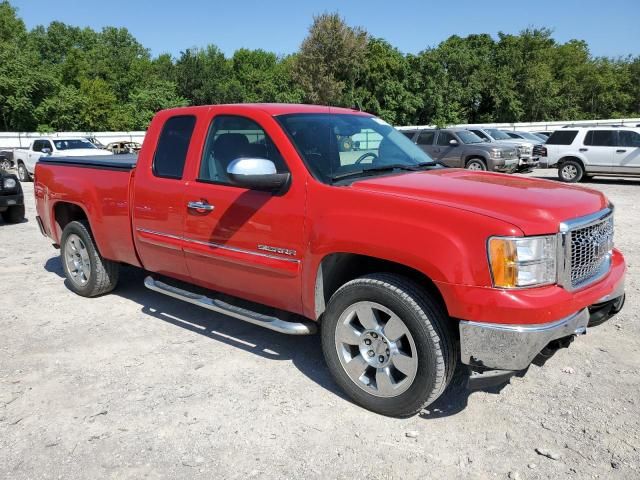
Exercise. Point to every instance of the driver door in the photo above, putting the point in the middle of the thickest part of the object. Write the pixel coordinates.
(447, 153)
(246, 243)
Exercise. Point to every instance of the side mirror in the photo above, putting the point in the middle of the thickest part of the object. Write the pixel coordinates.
(46, 150)
(453, 143)
(256, 174)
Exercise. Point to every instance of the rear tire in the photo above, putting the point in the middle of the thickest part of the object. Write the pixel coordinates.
(476, 164)
(88, 274)
(408, 332)
(14, 214)
(570, 171)
(23, 173)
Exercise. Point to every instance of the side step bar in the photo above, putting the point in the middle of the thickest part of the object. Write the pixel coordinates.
(266, 321)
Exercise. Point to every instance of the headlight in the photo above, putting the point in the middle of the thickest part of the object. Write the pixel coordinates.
(9, 183)
(496, 153)
(522, 261)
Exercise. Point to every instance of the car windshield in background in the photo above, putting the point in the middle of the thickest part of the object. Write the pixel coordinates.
(497, 134)
(529, 136)
(469, 137)
(73, 144)
(335, 146)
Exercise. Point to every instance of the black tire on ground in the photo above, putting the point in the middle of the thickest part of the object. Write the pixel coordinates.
(570, 171)
(5, 163)
(23, 173)
(476, 164)
(428, 324)
(103, 273)
(14, 214)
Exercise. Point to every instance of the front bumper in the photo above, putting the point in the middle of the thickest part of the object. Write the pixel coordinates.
(513, 347)
(11, 200)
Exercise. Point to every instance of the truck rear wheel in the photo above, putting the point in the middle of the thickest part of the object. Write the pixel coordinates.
(388, 344)
(570, 171)
(13, 214)
(88, 273)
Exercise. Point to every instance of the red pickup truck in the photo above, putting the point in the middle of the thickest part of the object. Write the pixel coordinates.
(408, 267)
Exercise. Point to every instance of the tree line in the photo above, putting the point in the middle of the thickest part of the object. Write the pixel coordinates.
(65, 78)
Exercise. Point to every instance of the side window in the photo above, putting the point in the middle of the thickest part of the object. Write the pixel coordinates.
(408, 133)
(426, 138)
(562, 137)
(599, 138)
(444, 138)
(47, 144)
(481, 134)
(173, 144)
(627, 138)
(37, 146)
(231, 137)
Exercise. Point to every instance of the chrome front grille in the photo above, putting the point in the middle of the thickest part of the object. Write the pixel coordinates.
(587, 246)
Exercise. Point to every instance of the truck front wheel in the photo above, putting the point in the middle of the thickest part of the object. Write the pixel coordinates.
(388, 344)
(88, 274)
(23, 173)
(476, 164)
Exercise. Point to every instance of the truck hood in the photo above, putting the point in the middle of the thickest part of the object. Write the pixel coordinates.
(82, 152)
(535, 206)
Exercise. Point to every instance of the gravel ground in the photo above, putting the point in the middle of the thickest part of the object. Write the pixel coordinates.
(134, 385)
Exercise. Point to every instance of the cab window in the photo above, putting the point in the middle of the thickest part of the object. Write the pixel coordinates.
(232, 137)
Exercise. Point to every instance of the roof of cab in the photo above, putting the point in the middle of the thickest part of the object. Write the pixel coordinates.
(274, 109)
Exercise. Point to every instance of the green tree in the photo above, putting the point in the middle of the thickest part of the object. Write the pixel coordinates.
(330, 61)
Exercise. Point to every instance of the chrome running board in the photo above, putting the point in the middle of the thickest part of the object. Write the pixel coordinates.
(216, 305)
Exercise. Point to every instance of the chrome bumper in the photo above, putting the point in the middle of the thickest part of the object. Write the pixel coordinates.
(513, 347)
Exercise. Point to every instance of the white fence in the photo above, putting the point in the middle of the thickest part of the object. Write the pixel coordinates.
(23, 139)
(542, 126)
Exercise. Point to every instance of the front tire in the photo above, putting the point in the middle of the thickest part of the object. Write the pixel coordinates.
(570, 171)
(23, 173)
(14, 214)
(476, 164)
(88, 274)
(388, 344)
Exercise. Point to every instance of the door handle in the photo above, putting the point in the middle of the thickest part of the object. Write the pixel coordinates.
(200, 207)
(620, 151)
(584, 149)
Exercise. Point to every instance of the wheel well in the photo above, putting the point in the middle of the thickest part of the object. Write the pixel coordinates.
(339, 268)
(472, 157)
(575, 159)
(68, 212)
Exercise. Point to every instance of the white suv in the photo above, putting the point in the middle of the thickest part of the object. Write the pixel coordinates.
(581, 153)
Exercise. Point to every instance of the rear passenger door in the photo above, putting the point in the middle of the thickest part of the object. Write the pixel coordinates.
(426, 140)
(626, 158)
(159, 205)
(598, 149)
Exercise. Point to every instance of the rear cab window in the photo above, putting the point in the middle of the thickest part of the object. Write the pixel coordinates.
(562, 137)
(172, 147)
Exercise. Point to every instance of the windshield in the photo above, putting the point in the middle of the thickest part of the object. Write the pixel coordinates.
(469, 137)
(73, 144)
(530, 136)
(497, 134)
(334, 145)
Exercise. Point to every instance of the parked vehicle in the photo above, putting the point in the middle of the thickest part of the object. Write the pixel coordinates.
(525, 148)
(457, 147)
(96, 143)
(118, 148)
(11, 198)
(408, 267)
(529, 137)
(541, 135)
(582, 153)
(26, 158)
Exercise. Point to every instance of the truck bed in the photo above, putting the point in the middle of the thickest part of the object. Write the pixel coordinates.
(113, 162)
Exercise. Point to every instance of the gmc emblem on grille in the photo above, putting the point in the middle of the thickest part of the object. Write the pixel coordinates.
(600, 248)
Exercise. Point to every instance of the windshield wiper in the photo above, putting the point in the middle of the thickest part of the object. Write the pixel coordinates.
(383, 168)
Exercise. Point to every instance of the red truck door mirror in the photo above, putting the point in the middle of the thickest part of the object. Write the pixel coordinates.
(256, 174)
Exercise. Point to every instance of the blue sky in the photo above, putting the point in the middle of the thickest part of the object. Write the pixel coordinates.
(611, 27)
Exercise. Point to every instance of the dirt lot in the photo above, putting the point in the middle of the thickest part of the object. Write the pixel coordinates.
(136, 385)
